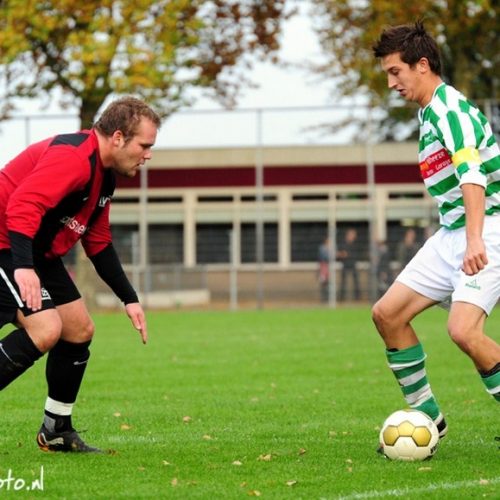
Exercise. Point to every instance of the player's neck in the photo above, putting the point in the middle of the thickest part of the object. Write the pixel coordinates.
(104, 150)
(433, 83)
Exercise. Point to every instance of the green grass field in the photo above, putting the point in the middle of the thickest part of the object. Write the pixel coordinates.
(277, 404)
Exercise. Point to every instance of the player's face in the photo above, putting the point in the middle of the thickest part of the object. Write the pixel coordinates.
(130, 156)
(403, 78)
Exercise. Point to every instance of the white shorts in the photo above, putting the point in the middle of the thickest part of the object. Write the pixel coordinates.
(436, 270)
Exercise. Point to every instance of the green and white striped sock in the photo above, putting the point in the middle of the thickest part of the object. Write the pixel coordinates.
(408, 365)
(491, 380)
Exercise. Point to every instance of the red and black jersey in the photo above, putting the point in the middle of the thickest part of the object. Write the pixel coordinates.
(56, 192)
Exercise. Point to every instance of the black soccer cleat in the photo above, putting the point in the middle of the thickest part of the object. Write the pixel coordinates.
(66, 441)
(441, 425)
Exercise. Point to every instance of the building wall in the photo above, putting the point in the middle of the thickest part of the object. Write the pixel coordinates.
(282, 187)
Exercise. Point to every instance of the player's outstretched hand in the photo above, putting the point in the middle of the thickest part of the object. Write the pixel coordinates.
(29, 285)
(138, 318)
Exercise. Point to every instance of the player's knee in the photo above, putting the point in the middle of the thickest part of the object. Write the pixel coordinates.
(381, 316)
(461, 336)
(46, 335)
(88, 330)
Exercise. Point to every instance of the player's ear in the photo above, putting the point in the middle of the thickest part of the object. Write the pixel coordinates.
(117, 138)
(423, 65)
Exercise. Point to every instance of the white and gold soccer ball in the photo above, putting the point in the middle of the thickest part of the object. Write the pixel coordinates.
(409, 435)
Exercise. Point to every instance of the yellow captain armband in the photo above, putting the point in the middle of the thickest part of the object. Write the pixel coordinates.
(466, 155)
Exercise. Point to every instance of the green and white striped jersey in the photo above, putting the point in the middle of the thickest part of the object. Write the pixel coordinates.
(456, 147)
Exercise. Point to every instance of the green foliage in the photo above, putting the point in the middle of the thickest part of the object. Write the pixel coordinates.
(156, 49)
(467, 33)
(282, 404)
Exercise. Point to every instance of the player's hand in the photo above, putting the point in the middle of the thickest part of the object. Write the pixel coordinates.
(29, 285)
(138, 318)
(475, 258)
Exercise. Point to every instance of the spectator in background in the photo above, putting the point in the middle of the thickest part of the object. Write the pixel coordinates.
(407, 248)
(347, 254)
(384, 274)
(324, 254)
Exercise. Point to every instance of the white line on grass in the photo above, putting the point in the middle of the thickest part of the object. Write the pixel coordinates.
(431, 487)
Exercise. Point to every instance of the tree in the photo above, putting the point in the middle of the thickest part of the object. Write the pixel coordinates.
(158, 49)
(467, 32)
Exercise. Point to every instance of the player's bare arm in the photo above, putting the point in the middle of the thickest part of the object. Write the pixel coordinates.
(475, 257)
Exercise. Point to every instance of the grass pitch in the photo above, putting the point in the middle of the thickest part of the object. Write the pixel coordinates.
(277, 404)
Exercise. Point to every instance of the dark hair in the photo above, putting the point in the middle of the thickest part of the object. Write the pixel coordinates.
(412, 42)
(125, 114)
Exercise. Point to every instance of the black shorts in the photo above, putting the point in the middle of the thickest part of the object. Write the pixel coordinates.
(57, 287)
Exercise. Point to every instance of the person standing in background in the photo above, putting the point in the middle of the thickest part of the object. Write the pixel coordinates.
(407, 248)
(347, 254)
(324, 255)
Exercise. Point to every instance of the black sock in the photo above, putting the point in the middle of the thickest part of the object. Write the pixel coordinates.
(17, 354)
(57, 423)
(66, 363)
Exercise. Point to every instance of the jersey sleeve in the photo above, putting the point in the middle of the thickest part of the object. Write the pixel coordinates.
(58, 172)
(109, 268)
(98, 235)
(462, 135)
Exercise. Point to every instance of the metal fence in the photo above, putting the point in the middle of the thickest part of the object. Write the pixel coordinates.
(259, 282)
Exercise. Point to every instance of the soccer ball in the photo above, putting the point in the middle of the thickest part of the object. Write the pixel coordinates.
(409, 435)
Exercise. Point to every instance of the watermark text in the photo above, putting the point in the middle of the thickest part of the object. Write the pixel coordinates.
(12, 483)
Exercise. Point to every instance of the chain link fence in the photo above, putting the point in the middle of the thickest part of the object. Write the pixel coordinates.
(238, 260)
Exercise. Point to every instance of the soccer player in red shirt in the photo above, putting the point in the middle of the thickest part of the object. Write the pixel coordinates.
(53, 194)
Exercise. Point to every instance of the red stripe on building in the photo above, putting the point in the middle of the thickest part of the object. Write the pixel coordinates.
(273, 176)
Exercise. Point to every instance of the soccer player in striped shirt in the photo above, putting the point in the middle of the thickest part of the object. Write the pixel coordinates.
(460, 264)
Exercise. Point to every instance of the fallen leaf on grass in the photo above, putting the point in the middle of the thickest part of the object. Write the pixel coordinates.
(206, 437)
(265, 458)
(291, 483)
(186, 419)
(483, 482)
(117, 414)
(237, 462)
(254, 493)
(424, 469)
(125, 427)
(174, 481)
(164, 462)
(302, 451)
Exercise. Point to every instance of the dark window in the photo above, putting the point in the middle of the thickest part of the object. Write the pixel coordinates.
(166, 244)
(310, 197)
(212, 243)
(248, 243)
(265, 197)
(215, 199)
(406, 196)
(124, 241)
(306, 239)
